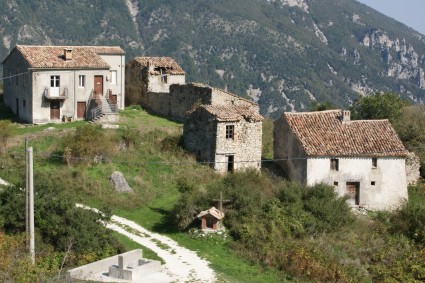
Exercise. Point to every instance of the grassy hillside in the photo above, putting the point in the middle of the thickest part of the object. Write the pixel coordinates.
(277, 231)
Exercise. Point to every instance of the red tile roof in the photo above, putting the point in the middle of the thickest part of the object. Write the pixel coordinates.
(52, 57)
(324, 134)
(165, 62)
(212, 211)
(233, 112)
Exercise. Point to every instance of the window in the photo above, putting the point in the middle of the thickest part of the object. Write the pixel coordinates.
(54, 81)
(81, 81)
(335, 183)
(164, 78)
(373, 183)
(334, 164)
(113, 77)
(374, 162)
(24, 104)
(230, 131)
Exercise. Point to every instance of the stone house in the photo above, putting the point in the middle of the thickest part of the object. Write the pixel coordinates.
(210, 220)
(148, 82)
(49, 83)
(228, 137)
(364, 160)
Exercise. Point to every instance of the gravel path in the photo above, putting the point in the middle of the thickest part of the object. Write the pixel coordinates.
(181, 264)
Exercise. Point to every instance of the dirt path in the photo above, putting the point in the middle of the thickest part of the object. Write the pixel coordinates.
(181, 264)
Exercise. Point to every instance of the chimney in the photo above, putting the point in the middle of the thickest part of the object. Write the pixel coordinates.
(346, 116)
(67, 54)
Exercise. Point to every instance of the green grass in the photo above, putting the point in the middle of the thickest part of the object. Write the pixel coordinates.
(154, 186)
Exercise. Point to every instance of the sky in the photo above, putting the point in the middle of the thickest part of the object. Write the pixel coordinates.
(409, 12)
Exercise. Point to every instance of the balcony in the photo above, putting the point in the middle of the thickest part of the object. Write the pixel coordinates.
(55, 93)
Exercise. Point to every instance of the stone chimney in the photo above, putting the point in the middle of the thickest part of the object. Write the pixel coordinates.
(346, 116)
(67, 54)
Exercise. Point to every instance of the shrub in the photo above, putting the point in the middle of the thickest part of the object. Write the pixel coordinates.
(7, 130)
(89, 144)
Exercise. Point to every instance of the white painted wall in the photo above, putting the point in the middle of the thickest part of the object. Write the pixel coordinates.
(116, 63)
(390, 179)
(155, 84)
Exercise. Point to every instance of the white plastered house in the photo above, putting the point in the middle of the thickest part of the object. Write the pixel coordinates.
(50, 83)
(364, 159)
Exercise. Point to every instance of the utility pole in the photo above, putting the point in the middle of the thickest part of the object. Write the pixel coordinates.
(31, 203)
(27, 234)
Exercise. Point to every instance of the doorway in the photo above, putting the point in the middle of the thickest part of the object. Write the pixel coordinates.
(98, 85)
(81, 110)
(55, 111)
(353, 192)
(230, 163)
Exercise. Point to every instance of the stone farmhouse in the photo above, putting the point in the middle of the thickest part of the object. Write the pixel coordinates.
(228, 137)
(57, 83)
(362, 159)
(148, 82)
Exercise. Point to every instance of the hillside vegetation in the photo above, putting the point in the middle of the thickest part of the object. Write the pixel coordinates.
(277, 231)
(282, 55)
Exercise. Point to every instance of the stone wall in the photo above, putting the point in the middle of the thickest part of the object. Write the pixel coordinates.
(206, 137)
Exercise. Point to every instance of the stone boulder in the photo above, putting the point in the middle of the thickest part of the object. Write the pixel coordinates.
(412, 168)
(120, 183)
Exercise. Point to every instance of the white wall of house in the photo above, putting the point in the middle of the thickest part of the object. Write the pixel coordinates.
(383, 187)
(156, 83)
(68, 79)
(116, 83)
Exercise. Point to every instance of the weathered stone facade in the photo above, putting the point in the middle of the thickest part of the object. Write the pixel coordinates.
(362, 159)
(148, 81)
(228, 137)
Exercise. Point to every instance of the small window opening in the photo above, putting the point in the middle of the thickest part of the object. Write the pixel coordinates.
(24, 104)
(230, 131)
(373, 183)
(374, 162)
(334, 164)
(335, 183)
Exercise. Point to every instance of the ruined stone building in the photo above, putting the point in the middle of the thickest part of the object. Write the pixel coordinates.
(148, 81)
(362, 159)
(48, 83)
(228, 137)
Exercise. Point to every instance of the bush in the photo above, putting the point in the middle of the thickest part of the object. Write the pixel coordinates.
(88, 144)
(7, 130)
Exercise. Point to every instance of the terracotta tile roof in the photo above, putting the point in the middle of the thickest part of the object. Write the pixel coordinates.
(324, 134)
(212, 211)
(165, 62)
(51, 57)
(233, 112)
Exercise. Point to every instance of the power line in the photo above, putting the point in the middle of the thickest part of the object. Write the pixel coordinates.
(12, 76)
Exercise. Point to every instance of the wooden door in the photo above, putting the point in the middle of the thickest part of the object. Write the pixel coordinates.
(81, 109)
(55, 111)
(353, 192)
(230, 163)
(98, 85)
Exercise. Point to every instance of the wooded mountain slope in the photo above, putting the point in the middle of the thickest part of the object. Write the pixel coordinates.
(282, 53)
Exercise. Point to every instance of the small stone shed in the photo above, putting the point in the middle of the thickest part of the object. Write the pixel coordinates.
(228, 137)
(363, 159)
(210, 219)
(148, 81)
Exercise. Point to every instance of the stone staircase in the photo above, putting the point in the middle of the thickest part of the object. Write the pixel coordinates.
(104, 112)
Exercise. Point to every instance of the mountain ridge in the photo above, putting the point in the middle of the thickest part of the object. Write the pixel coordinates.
(283, 54)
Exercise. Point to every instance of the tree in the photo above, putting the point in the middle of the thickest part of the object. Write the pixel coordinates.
(7, 130)
(378, 106)
(321, 106)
